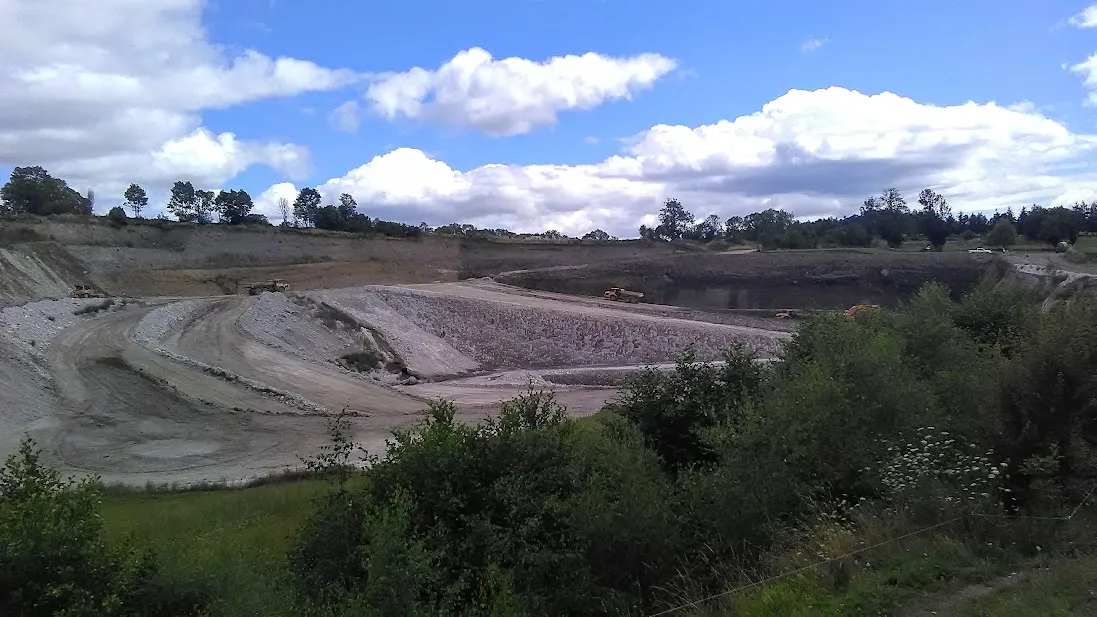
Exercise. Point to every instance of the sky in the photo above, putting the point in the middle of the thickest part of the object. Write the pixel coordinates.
(569, 114)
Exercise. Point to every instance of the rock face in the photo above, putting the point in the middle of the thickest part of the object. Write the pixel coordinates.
(44, 257)
(36, 271)
(780, 279)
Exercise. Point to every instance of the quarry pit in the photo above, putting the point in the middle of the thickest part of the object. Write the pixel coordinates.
(177, 378)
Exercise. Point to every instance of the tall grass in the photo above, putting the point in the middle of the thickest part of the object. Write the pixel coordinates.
(234, 541)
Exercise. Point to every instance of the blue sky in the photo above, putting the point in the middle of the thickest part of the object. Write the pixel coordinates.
(729, 61)
(734, 56)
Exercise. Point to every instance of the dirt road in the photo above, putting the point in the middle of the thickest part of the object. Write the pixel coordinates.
(132, 415)
(135, 410)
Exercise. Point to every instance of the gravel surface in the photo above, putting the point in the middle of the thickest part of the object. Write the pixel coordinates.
(426, 351)
(277, 321)
(162, 322)
(507, 331)
(32, 326)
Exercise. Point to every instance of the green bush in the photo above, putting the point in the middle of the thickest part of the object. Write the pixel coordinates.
(697, 476)
(54, 561)
(117, 216)
(672, 410)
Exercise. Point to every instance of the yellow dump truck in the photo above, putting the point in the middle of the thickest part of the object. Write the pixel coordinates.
(87, 291)
(277, 285)
(619, 294)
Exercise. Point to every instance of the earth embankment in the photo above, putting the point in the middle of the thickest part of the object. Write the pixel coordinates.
(819, 279)
(44, 257)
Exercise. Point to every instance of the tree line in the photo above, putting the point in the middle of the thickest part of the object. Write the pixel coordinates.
(32, 190)
(886, 216)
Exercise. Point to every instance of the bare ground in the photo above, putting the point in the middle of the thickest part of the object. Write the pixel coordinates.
(190, 384)
(211, 388)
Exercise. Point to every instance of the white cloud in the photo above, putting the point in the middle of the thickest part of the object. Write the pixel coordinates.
(511, 96)
(266, 203)
(110, 92)
(1088, 70)
(1087, 18)
(813, 153)
(345, 117)
(813, 44)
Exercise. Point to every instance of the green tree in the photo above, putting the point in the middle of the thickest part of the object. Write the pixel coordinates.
(204, 206)
(887, 216)
(1061, 224)
(234, 206)
(329, 217)
(136, 199)
(347, 206)
(307, 205)
(674, 220)
(1003, 234)
(32, 190)
(710, 228)
(933, 217)
(597, 234)
(767, 227)
(734, 228)
(183, 201)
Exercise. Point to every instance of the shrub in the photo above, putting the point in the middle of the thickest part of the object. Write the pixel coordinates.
(936, 475)
(700, 476)
(526, 513)
(117, 216)
(53, 559)
(671, 410)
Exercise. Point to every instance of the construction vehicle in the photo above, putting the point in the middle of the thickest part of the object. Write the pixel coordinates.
(87, 291)
(857, 308)
(276, 285)
(619, 294)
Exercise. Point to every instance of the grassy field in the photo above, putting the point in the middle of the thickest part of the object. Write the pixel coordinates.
(1067, 588)
(234, 540)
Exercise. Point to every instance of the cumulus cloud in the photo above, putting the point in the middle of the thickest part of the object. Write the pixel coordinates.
(813, 44)
(1086, 18)
(98, 91)
(813, 153)
(266, 203)
(511, 96)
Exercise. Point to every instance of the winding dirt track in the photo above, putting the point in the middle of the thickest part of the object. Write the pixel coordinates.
(133, 415)
(212, 337)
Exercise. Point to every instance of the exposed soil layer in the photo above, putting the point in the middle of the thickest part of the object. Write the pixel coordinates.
(193, 381)
(823, 279)
(159, 258)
